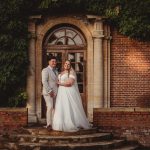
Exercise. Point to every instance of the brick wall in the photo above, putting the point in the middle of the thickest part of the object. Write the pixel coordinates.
(130, 72)
(12, 118)
(133, 123)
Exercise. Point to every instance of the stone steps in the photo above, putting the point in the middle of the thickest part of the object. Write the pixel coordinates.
(95, 137)
(43, 131)
(39, 138)
(128, 147)
(73, 146)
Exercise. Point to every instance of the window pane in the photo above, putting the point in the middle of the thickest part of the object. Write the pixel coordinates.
(60, 33)
(78, 40)
(70, 42)
(77, 61)
(80, 86)
(52, 40)
(61, 41)
(70, 33)
(79, 77)
(71, 57)
(59, 67)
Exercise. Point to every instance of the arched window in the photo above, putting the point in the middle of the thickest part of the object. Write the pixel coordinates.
(65, 37)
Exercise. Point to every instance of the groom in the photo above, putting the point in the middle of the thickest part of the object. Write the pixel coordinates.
(49, 80)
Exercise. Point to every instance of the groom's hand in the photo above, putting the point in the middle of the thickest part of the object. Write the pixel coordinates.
(51, 94)
(58, 83)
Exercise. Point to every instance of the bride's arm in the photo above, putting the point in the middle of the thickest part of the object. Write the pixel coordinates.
(68, 83)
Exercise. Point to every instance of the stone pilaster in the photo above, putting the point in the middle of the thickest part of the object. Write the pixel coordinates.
(98, 64)
(31, 75)
(31, 105)
(106, 46)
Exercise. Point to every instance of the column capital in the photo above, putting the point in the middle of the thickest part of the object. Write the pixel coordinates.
(98, 31)
(35, 18)
(95, 17)
(98, 34)
(109, 38)
(32, 23)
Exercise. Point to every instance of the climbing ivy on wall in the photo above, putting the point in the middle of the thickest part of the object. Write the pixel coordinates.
(13, 52)
(130, 17)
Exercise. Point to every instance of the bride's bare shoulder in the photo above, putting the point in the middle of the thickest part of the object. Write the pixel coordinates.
(61, 73)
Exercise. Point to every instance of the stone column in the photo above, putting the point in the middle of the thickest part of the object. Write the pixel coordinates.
(98, 64)
(32, 118)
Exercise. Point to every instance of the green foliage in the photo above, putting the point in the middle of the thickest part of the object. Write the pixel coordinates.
(13, 50)
(131, 17)
(96, 7)
(19, 99)
(134, 19)
(61, 6)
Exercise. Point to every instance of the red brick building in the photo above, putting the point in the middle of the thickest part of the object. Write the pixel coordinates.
(113, 72)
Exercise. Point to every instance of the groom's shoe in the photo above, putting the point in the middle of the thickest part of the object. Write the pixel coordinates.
(49, 127)
(44, 126)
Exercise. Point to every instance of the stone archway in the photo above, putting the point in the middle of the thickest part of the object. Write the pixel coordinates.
(98, 39)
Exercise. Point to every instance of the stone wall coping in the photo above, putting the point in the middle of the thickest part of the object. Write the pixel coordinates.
(95, 17)
(35, 17)
(13, 109)
(122, 109)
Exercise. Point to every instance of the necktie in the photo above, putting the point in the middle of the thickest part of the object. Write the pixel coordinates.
(54, 71)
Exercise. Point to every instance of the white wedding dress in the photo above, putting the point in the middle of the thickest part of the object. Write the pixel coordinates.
(69, 115)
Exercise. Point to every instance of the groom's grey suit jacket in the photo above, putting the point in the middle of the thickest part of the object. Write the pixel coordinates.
(49, 79)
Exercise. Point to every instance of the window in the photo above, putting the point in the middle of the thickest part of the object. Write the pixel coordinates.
(66, 36)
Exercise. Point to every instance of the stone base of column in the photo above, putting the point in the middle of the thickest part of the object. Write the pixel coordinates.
(32, 118)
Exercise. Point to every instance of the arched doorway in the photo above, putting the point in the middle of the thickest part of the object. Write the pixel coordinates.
(64, 36)
(66, 42)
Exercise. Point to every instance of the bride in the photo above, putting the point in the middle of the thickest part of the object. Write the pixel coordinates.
(69, 115)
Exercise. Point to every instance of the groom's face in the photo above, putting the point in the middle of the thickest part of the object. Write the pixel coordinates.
(52, 63)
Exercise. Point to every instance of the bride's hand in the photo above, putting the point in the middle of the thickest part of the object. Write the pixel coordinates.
(58, 83)
(69, 83)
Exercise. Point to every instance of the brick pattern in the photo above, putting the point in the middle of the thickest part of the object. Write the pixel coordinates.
(11, 119)
(130, 72)
(133, 123)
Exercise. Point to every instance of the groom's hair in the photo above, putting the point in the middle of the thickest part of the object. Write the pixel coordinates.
(51, 57)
